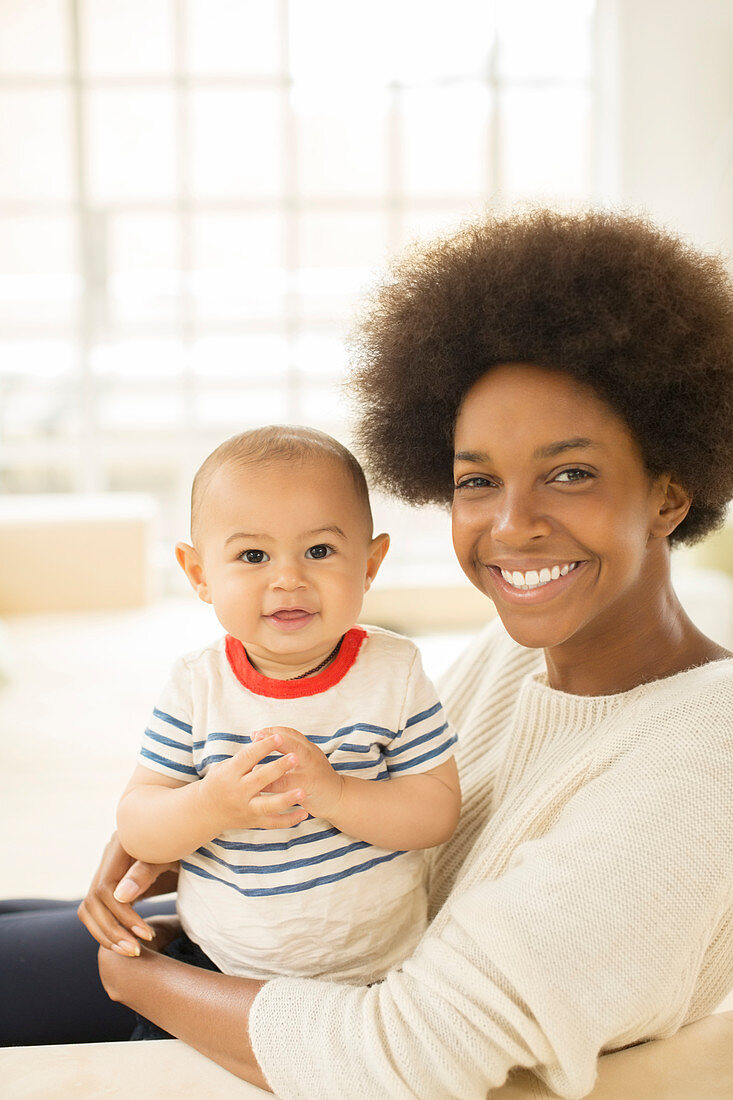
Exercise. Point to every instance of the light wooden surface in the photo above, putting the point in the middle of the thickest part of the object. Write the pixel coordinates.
(695, 1064)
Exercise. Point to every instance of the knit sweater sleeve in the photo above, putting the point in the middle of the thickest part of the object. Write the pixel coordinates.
(593, 937)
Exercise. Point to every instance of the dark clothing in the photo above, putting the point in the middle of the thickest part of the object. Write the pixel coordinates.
(51, 992)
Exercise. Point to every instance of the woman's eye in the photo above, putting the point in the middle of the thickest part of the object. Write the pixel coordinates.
(474, 483)
(319, 551)
(254, 557)
(566, 477)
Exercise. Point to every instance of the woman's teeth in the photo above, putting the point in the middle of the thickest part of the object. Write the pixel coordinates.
(533, 579)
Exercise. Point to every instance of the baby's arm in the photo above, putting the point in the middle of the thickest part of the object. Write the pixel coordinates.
(404, 812)
(160, 819)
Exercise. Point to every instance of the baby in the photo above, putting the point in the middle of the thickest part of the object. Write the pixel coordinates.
(297, 766)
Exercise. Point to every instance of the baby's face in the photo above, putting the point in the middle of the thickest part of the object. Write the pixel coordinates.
(287, 556)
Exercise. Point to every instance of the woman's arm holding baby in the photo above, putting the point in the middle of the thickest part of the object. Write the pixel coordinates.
(160, 819)
(209, 1011)
(405, 812)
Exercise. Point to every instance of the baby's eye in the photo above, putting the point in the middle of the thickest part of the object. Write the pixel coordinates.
(254, 557)
(566, 477)
(319, 551)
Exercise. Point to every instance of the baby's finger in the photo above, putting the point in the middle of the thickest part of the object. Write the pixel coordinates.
(249, 755)
(269, 804)
(282, 821)
(269, 773)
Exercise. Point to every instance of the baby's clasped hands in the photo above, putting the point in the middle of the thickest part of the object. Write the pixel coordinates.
(320, 786)
(245, 793)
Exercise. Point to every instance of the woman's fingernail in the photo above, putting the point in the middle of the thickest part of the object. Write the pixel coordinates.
(140, 931)
(126, 947)
(126, 890)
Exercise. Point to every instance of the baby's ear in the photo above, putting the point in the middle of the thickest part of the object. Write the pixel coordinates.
(189, 560)
(377, 551)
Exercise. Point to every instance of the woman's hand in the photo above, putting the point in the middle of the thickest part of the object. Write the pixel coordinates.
(106, 910)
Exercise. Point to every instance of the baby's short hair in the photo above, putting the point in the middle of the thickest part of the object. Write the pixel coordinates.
(277, 443)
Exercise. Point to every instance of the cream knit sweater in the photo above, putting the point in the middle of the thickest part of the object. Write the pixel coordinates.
(584, 903)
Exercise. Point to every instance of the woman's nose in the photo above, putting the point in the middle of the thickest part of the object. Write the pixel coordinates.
(518, 519)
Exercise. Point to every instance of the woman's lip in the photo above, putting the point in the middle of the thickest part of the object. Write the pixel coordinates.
(534, 595)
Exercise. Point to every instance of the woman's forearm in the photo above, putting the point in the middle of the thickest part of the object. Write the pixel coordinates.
(209, 1011)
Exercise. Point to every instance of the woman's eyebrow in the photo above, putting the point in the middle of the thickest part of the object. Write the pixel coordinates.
(561, 445)
(548, 451)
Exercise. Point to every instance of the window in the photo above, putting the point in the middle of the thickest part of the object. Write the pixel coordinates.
(194, 193)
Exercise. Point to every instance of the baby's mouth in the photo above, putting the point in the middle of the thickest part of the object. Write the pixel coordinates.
(290, 614)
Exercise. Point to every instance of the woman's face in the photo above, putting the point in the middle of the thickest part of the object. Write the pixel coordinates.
(555, 517)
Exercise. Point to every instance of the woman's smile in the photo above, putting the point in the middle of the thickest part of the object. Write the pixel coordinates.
(536, 584)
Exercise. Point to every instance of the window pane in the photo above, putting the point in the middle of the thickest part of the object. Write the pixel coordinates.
(428, 43)
(34, 38)
(446, 140)
(238, 266)
(538, 39)
(235, 410)
(340, 44)
(233, 37)
(23, 360)
(127, 39)
(38, 277)
(546, 143)
(339, 254)
(247, 359)
(131, 144)
(143, 254)
(139, 358)
(236, 143)
(125, 408)
(35, 145)
(341, 145)
(320, 357)
(30, 409)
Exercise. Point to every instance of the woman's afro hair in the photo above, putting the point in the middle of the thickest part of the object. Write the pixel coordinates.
(617, 303)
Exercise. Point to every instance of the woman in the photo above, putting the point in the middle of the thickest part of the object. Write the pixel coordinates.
(568, 381)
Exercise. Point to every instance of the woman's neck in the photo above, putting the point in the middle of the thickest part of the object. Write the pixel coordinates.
(649, 639)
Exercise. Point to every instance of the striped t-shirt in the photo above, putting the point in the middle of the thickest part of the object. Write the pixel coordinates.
(306, 900)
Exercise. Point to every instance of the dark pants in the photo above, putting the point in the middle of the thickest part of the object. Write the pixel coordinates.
(50, 990)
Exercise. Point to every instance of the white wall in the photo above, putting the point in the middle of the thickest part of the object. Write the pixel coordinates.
(669, 96)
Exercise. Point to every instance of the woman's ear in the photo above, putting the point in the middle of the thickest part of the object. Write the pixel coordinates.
(673, 504)
(189, 560)
(377, 551)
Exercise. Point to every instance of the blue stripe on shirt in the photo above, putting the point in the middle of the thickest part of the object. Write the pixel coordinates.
(275, 846)
(291, 865)
(166, 740)
(172, 721)
(423, 714)
(295, 887)
(426, 756)
(417, 741)
(186, 769)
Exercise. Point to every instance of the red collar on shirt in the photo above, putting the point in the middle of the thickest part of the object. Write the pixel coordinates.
(255, 682)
